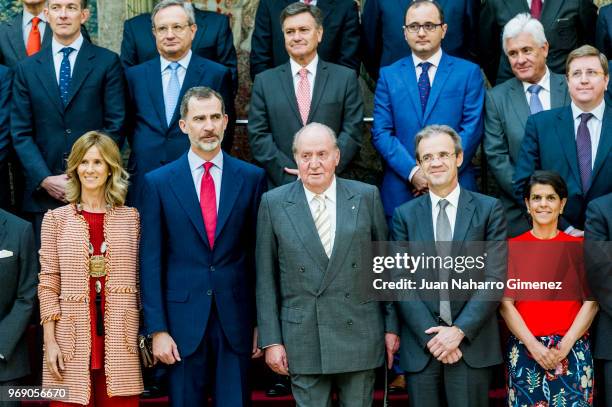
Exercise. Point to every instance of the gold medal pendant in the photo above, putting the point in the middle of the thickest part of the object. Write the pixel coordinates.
(96, 266)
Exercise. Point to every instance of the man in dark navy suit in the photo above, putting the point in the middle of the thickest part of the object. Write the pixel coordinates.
(197, 261)
(60, 93)
(156, 86)
(213, 40)
(5, 136)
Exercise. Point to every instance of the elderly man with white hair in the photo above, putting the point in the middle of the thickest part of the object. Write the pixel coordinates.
(534, 88)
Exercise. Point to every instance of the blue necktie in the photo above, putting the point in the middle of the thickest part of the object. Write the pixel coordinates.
(172, 91)
(583, 148)
(424, 86)
(535, 106)
(64, 74)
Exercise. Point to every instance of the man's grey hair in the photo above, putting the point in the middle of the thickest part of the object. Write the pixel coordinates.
(524, 23)
(433, 130)
(188, 7)
(314, 127)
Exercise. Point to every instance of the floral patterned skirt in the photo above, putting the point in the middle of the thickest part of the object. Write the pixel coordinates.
(569, 385)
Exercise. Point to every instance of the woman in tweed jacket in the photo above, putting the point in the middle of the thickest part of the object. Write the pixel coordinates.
(88, 287)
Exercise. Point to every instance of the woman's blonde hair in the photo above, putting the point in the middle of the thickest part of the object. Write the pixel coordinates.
(116, 184)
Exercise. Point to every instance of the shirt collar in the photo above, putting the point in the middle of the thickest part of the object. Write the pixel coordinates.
(452, 198)
(184, 62)
(195, 161)
(434, 59)
(544, 82)
(329, 193)
(598, 111)
(56, 47)
(27, 17)
(311, 67)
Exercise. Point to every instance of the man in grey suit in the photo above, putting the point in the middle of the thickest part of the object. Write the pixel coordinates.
(310, 238)
(18, 273)
(598, 234)
(534, 88)
(306, 89)
(448, 347)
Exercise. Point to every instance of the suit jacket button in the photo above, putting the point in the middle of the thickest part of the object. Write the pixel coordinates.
(347, 295)
(209, 292)
(212, 268)
(349, 322)
(302, 269)
(68, 131)
(354, 265)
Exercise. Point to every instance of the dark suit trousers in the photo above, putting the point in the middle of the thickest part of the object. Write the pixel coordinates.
(606, 386)
(355, 389)
(10, 383)
(456, 385)
(213, 368)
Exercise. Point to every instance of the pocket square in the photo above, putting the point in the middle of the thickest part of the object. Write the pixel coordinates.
(5, 253)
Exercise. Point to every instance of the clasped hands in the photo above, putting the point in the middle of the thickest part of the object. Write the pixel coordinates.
(548, 358)
(444, 346)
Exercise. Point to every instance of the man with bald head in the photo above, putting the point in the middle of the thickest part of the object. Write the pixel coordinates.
(310, 237)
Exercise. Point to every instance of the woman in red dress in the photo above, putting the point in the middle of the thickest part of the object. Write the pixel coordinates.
(549, 354)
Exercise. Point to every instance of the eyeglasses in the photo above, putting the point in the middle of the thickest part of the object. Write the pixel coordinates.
(590, 74)
(442, 156)
(178, 29)
(415, 27)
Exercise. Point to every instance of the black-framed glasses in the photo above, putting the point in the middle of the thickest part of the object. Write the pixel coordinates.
(415, 27)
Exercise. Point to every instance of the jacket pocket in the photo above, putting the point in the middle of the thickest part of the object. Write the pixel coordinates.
(130, 330)
(65, 336)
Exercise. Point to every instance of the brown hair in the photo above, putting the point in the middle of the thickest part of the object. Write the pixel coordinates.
(587, 51)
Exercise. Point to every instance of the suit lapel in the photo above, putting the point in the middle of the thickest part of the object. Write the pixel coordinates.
(231, 184)
(156, 90)
(82, 67)
(567, 140)
(182, 186)
(46, 39)
(15, 36)
(559, 96)
(299, 215)
(408, 75)
(605, 143)
(287, 84)
(46, 76)
(3, 232)
(347, 211)
(465, 211)
(440, 78)
(194, 71)
(426, 224)
(519, 101)
(319, 87)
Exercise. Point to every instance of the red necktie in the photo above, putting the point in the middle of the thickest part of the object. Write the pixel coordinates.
(208, 203)
(308, 2)
(536, 8)
(33, 45)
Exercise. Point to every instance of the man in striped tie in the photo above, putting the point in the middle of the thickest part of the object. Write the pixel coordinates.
(311, 234)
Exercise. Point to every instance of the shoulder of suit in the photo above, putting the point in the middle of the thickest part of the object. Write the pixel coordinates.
(460, 62)
(603, 202)
(336, 69)
(481, 199)
(411, 205)
(247, 168)
(210, 16)
(13, 221)
(355, 186)
(281, 192)
(144, 18)
(502, 89)
(101, 51)
(209, 64)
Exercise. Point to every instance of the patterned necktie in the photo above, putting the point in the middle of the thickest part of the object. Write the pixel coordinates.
(536, 8)
(172, 91)
(64, 74)
(323, 224)
(33, 44)
(303, 95)
(583, 148)
(535, 105)
(208, 203)
(444, 234)
(424, 85)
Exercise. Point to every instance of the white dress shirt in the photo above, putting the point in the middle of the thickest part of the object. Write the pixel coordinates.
(544, 94)
(451, 208)
(594, 126)
(196, 165)
(312, 73)
(26, 25)
(56, 48)
(434, 60)
(180, 72)
(330, 203)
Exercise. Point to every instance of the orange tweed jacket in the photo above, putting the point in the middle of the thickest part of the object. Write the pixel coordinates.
(63, 292)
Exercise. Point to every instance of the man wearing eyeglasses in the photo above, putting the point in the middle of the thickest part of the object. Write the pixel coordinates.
(533, 89)
(449, 345)
(574, 141)
(427, 87)
(156, 86)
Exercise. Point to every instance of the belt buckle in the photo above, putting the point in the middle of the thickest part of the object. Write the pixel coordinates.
(97, 267)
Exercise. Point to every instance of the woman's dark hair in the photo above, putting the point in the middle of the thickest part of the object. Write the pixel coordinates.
(546, 178)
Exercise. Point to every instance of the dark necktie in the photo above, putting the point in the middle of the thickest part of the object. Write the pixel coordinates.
(33, 44)
(64, 74)
(535, 105)
(444, 235)
(424, 85)
(208, 203)
(536, 8)
(583, 148)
